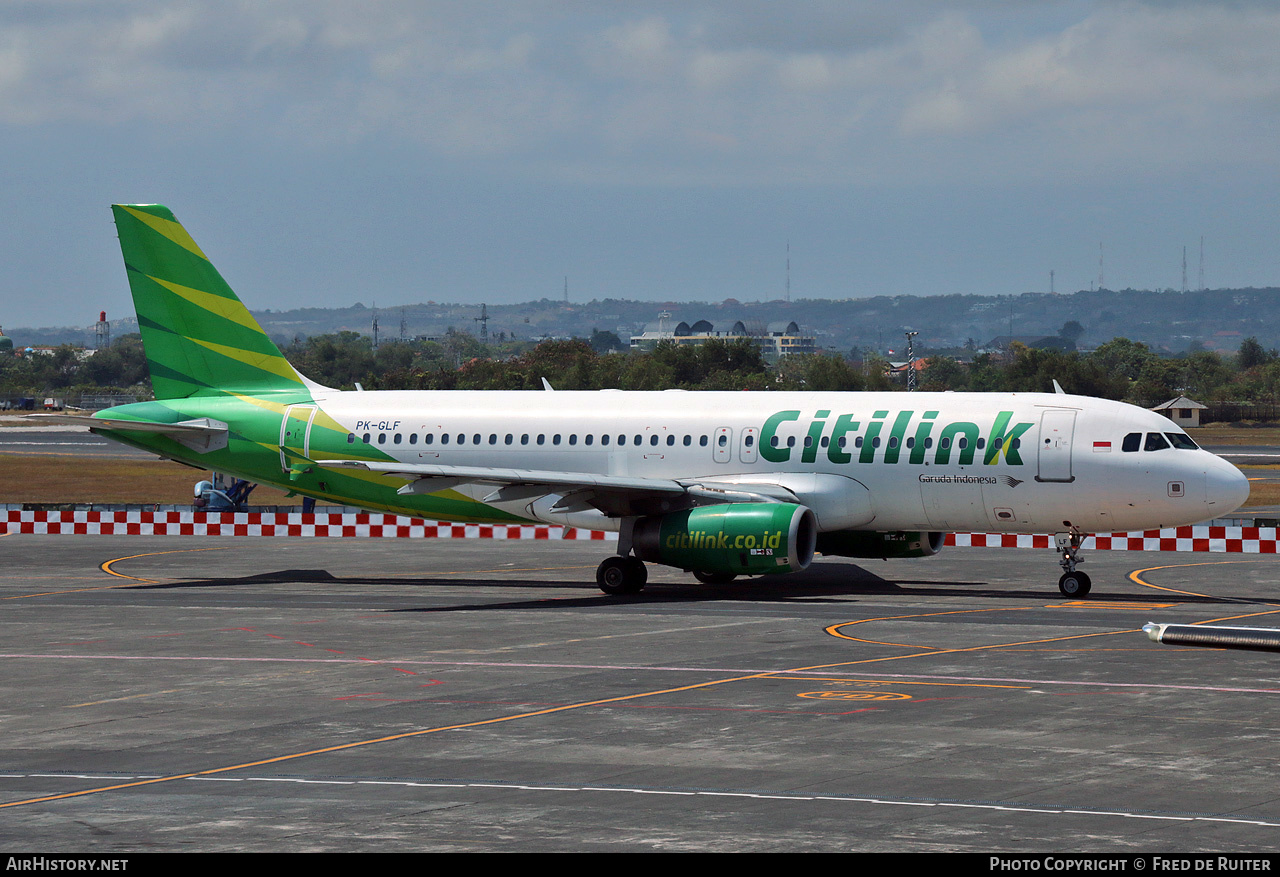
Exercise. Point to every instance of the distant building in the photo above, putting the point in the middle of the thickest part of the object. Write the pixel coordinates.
(1182, 411)
(776, 340)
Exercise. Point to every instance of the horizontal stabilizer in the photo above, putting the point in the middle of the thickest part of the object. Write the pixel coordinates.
(201, 435)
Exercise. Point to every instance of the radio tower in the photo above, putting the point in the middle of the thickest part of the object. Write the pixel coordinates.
(404, 327)
(483, 320)
(375, 328)
(1184, 268)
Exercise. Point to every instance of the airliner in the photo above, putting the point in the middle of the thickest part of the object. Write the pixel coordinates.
(717, 484)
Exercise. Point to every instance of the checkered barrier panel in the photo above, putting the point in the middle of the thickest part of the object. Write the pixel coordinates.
(138, 523)
(1240, 540)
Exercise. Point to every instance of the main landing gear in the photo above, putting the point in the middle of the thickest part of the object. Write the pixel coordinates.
(1073, 583)
(621, 575)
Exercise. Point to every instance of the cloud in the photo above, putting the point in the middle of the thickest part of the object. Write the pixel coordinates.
(698, 91)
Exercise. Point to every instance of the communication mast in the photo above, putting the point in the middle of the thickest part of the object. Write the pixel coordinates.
(911, 361)
(483, 320)
(102, 332)
(375, 328)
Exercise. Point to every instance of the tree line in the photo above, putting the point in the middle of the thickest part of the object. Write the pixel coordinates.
(1119, 369)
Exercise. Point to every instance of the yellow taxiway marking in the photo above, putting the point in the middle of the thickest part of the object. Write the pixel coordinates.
(105, 566)
(1136, 575)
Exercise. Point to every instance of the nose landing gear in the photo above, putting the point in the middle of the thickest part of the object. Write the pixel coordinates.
(1073, 583)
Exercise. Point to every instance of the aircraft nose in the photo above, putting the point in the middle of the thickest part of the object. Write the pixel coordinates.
(1226, 487)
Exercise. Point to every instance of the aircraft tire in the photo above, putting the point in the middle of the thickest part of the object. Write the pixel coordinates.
(621, 575)
(714, 578)
(1074, 584)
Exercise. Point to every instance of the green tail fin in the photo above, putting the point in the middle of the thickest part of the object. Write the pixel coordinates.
(200, 340)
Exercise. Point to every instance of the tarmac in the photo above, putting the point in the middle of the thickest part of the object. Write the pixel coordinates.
(294, 694)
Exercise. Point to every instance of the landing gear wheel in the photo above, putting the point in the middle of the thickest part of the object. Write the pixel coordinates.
(1074, 584)
(621, 575)
(714, 578)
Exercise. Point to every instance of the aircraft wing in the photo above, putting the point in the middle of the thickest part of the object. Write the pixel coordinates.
(611, 494)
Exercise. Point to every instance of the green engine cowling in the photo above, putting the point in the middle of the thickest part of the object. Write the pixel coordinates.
(733, 538)
(870, 543)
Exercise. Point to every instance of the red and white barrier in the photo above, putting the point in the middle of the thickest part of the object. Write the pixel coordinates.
(1200, 537)
(1242, 540)
(326, 524)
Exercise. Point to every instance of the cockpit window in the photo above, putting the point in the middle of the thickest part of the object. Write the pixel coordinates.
(1132, 442)
(1155, 442)
(1182, 441)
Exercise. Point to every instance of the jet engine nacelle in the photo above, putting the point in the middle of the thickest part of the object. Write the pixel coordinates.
(869, 543)
(731, 538)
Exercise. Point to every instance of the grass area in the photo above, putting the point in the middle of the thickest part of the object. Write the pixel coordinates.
(71, 478)
(1263, 493)
(1220, 434)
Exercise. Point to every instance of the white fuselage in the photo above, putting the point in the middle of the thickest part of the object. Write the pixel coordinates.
(1012, 462)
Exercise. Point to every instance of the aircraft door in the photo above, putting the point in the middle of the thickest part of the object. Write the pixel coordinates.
(1057, 426)
(295, 433)
(722, 444)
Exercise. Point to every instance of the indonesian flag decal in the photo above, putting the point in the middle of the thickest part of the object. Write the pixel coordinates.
(1101, 447)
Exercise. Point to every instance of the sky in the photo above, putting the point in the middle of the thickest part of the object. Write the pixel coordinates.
(325, 152)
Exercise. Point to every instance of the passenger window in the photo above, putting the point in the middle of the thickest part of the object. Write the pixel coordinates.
(428, 438)
(351, 438)
(893, 441)
(413, 438)
(573, 439)
(588, 439)
(702, 441)
(382, 438)
(510, 438)
(671, 440)
(475, 439)
(638, 440)
(462, 439)
(791, 441)
(397, 438)
(366, 438)
(688, 440)
(493, 438)
(751, 440)
(724, 440)
(555, 439)
(604, 439)
(542, 439)
(1155, 442)
(1132, 442)
(653, 440)
(524, 439)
